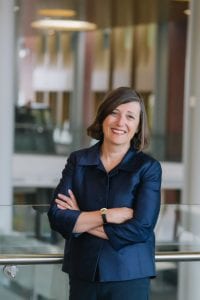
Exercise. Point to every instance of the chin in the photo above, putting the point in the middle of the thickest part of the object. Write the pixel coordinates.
(121, 143)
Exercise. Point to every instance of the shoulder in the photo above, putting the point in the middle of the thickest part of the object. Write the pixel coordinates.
(151, 171)
(140, 160)
(85, 156)
(148, 159)
(149, 163)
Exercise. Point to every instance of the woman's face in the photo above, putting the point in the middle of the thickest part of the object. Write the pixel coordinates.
(120, 126)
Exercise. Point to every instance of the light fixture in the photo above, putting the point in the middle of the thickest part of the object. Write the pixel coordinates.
(187, 12)
(56, 12)
(63, 25)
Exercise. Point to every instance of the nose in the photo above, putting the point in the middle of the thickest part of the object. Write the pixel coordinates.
(120, 120)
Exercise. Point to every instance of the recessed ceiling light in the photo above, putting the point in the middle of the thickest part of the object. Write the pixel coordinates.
(187, 12)
(57, 12)
(63, 25)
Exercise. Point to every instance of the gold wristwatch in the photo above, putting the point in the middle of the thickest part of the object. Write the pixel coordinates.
(103, 215)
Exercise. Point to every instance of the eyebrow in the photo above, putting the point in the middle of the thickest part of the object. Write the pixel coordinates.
(129, 112)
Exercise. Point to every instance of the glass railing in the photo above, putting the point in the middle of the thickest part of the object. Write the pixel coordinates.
(31, 254)
(43, 138)
(25, 229)
(33, 282)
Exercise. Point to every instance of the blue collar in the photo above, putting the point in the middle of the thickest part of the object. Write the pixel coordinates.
(91, 157)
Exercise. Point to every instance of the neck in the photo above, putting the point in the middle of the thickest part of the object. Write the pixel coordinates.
(111, 152)
(112, 155)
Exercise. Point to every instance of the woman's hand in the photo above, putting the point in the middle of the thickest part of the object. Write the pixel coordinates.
(67, 202)
(99, 232)
(119, 215)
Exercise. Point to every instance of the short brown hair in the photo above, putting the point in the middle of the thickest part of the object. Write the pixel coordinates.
(111, 101)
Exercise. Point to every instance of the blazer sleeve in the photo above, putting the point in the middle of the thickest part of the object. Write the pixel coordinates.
(63, 221)
(146, 211)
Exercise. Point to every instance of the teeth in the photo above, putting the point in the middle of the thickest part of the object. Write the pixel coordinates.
(118, 131)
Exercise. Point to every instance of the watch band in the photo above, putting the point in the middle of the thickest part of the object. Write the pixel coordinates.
(103, 215)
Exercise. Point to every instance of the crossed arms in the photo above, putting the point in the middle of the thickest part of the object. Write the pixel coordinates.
(91, 222)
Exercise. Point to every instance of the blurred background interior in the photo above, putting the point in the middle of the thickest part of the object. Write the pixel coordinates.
(57, 60)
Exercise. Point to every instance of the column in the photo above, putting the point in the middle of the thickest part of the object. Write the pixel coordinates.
(159, 114)
(189, 273)
(7, 69)
(76, 101)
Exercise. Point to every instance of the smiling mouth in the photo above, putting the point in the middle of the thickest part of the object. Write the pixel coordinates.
(118, 131)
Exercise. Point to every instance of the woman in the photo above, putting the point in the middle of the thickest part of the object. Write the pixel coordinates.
(107, 204)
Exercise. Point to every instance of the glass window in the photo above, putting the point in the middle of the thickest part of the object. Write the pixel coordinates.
(68, 71)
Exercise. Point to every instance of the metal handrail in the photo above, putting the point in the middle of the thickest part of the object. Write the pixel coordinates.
(8, 259)
(30, 259)
(177, 256)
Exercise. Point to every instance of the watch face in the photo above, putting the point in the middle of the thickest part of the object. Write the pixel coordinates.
(103, 214)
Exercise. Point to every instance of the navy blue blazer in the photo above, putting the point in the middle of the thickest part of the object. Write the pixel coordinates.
(130, 250)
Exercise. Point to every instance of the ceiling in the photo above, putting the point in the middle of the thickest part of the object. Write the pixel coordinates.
(105, 13)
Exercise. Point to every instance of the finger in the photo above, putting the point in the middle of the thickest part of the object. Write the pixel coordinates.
(61, 207)
(74, 203)
(71, 195)
(63, 204)
(63, 197)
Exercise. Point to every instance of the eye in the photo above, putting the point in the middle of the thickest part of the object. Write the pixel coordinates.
(131, 117)
(114, 113)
